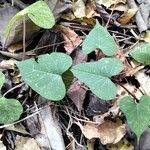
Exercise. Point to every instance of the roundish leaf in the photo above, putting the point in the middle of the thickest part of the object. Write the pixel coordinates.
(96, 76)
(10, 110)
(100, 38)
(141, 53)
(137, 114)
(45, 75)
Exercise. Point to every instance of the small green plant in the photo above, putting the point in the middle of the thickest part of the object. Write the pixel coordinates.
(10, 109)
(45, 76)
(49, 74)
(38, 12)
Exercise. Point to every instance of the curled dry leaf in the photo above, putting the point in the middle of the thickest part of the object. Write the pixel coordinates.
(127, 16)
(72, 40)
(108, 132)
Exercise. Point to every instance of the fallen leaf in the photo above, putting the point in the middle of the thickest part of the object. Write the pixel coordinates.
(72, 40)
(77, 94)
(147, 36)
(109, 3)
(127, 16)
(7, 64)
(79, 9)
(122, 145)
(107, 132)
(96, 106)
(144, 81)
(26, 143)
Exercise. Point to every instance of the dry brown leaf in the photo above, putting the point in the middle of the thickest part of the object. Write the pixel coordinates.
(72, 40)
(147, 36)
(7, 64)
(77, 94)
(90, 9)
(109, 3)
(122, 145)
(120, 7)
(26, 143)
(108, 132)
(79, 9)
(127, 16)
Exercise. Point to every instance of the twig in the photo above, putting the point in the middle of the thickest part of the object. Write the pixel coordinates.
(24, 38)
(15, 87)
(136, 99)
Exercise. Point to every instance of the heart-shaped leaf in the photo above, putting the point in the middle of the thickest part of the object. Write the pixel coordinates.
(39, 12)
(141, 53)
(2, 79)
(45, 75)
(137, 114)
(96, 76)
(10, 110)
(100, 38)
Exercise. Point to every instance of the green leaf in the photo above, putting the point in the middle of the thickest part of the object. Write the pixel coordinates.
(96, 76)
(41, 15)
(2, 79)
(10, 110)
(39, 12)
(45, 75)
(100, 38)
(141, 53)
(137, 114)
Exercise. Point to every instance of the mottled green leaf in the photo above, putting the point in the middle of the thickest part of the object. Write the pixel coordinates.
(10, 110)
(96, 76)
(2, 79)
(137, 114)
(100, 38)
(45, 75)
(141, 53)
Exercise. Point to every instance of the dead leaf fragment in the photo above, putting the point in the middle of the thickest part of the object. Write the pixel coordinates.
(77, 94)
(122, 145)
(26, 143)
(147, 36)
(127, 16)
(109, 3)
(72, 40)
(108, 132)
(79, 9)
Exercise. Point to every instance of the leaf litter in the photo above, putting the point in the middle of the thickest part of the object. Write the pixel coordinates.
(82, 115)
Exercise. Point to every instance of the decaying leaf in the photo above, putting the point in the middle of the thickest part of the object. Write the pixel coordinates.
(7, 64)
(72, 40)
(109, 3)
(122, 145)
(79, 9)
(107, 132)
(147, 36)
(144, 81)
(77, 94)
(26, 143)
(127, 16)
